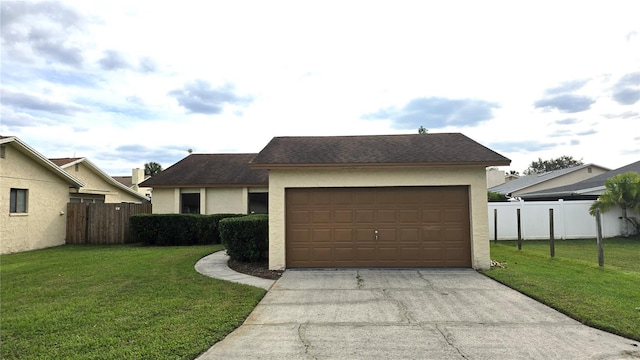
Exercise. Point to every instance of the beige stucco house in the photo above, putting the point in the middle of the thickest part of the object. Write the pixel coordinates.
(210, 184)
(133, 182)
(378, 201)
(98, 186)
(34, 193)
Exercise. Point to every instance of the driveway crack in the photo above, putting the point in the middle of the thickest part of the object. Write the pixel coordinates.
(301, 336)
(401, 305)
(450, 342)
(421, 276)
(359, 280)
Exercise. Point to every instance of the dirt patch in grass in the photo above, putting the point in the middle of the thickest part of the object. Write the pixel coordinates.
(259, 269)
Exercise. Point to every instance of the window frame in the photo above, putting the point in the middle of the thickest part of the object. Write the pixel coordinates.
(16, 206)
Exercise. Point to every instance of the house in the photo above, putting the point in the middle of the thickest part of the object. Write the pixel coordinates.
(378, 201)
(34, 196)
(99, 187)
(589, 189)
(210, 184)
(133, 182)
(530, 183)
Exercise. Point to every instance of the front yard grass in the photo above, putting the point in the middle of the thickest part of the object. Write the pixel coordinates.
(607, 298)
(115, 302)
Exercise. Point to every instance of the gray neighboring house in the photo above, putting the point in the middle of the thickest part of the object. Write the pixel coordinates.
(588, 189)
(551, 179)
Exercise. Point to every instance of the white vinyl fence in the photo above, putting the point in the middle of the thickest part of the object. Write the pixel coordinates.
(571, 220)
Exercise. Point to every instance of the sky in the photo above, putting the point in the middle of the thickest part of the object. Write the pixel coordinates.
(124, 83)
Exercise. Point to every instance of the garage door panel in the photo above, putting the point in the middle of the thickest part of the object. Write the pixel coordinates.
(321, 235)
(387, 216)
(409, 216)
(363, 235)
(365, 216)
(343, 216)
(343, 235)
(409, 235)
(417, 227)
(321, 217)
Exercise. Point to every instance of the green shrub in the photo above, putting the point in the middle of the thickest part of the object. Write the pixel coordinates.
(493, 196)
(176, 229)
(246, 238)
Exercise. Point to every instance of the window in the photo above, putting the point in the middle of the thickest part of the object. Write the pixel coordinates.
(258, 203)
(3, 152)
(18, 201)
(190, 203)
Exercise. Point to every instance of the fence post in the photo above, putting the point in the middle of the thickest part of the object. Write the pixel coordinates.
(519, 230)
(495, 226)
(552, 245)
(599, 238)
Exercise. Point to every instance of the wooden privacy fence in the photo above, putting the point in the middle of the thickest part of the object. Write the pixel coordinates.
(101, 223)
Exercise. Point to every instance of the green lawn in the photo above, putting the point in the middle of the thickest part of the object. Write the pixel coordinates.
(115, 302)
(607, 298)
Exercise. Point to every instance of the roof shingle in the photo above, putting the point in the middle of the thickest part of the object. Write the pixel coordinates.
(210, 170)
(376, 150)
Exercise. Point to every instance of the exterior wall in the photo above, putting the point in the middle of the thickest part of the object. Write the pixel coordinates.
(567, 179)
(45, 222)
(227, 200)
(94, 184)
(165, 201)
(212, 200)
(495, 177)
(474, 177)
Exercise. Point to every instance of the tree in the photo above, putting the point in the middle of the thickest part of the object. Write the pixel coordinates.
(542, 166)
(622, 190)
(152, 168)
(422, 130)
(493, 196)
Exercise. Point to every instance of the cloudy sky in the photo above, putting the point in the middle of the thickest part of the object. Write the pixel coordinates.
(127, 82)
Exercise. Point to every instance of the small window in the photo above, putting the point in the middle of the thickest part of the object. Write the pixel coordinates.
(18, 201)
(190, 203)
(3, 151)
(589, 170)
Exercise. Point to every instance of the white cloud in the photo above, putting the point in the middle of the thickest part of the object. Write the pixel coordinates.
(114, 76)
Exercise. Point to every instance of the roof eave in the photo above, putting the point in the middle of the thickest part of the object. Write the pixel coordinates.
(36, 156)
(377, 165)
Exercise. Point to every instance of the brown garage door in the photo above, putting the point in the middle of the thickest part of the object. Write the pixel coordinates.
(378, 227)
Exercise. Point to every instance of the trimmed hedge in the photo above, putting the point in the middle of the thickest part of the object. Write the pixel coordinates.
(246, 238)
(176, 229)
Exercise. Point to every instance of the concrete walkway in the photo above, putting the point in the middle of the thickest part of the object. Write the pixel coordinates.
(215, 266)
(409, 314)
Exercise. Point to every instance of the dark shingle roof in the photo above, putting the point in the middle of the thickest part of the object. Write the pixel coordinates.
(376, 150)
(124, 180)
(589, 183)
(210, 170)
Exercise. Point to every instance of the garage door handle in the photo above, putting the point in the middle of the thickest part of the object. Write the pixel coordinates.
(376, 232)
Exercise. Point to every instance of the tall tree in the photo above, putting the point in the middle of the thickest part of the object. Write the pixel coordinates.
(622, 190)
(151, 168)
(542, 166)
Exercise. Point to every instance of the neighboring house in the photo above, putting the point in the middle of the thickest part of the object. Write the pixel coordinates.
(378, 201)
(34, 196)
(588, 189)
(99, 187)
(210, 184)
(133, 182)
(495, 177)
(537, 182)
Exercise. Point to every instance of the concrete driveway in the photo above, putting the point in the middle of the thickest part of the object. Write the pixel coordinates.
(409, 314)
